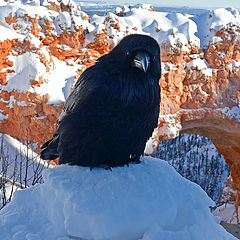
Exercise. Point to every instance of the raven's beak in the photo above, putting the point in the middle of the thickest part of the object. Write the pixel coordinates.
(141, 61)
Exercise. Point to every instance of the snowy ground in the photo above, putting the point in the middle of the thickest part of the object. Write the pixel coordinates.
(148, 201)
(227, 212)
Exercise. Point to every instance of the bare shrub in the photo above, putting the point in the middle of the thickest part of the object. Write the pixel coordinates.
(20, 167)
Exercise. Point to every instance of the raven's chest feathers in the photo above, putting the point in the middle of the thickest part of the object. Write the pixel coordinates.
(105, 96)
(140, 91)
(131, 89)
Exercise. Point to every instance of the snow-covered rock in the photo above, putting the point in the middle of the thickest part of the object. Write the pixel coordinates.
(227, 212)
(147, 201)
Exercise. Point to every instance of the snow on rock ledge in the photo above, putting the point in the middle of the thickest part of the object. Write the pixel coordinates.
(146, 201)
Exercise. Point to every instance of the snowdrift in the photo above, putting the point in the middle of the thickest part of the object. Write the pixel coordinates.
(146, 201)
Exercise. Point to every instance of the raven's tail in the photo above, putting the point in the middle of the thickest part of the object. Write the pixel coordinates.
(49, 151)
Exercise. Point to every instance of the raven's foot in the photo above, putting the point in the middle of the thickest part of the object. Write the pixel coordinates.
(105, 166)
(133, 158)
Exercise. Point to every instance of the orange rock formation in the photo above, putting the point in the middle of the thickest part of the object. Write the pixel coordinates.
(194, 100)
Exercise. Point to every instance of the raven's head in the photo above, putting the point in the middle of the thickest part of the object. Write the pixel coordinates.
(135, 69)
(138, 53)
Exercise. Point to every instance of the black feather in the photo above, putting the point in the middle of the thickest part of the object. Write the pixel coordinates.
(112, 110)
(46, 144)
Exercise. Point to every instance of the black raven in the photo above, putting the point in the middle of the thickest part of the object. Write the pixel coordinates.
(112, 109)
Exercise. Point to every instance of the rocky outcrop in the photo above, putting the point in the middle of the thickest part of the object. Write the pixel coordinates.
(45, 47)
(32, 43)
(206, 101)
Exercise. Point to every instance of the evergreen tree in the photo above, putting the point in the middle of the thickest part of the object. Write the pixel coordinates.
(189, 155)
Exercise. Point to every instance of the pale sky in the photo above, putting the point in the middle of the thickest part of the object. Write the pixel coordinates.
(200, 3)
(176, 3)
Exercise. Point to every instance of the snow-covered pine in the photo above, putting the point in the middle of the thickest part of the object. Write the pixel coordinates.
(197, 159)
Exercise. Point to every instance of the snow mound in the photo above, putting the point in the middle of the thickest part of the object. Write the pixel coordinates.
(145, 201)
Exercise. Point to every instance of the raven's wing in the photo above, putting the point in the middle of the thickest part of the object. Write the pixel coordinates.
(90, 112)
(83, 90)
(75, 114)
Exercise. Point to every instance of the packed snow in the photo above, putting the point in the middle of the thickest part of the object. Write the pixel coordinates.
(8, 34)
(200, 64)
(227, 212)
(147, 201)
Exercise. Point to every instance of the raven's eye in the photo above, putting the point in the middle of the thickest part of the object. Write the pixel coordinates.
(128, 53)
